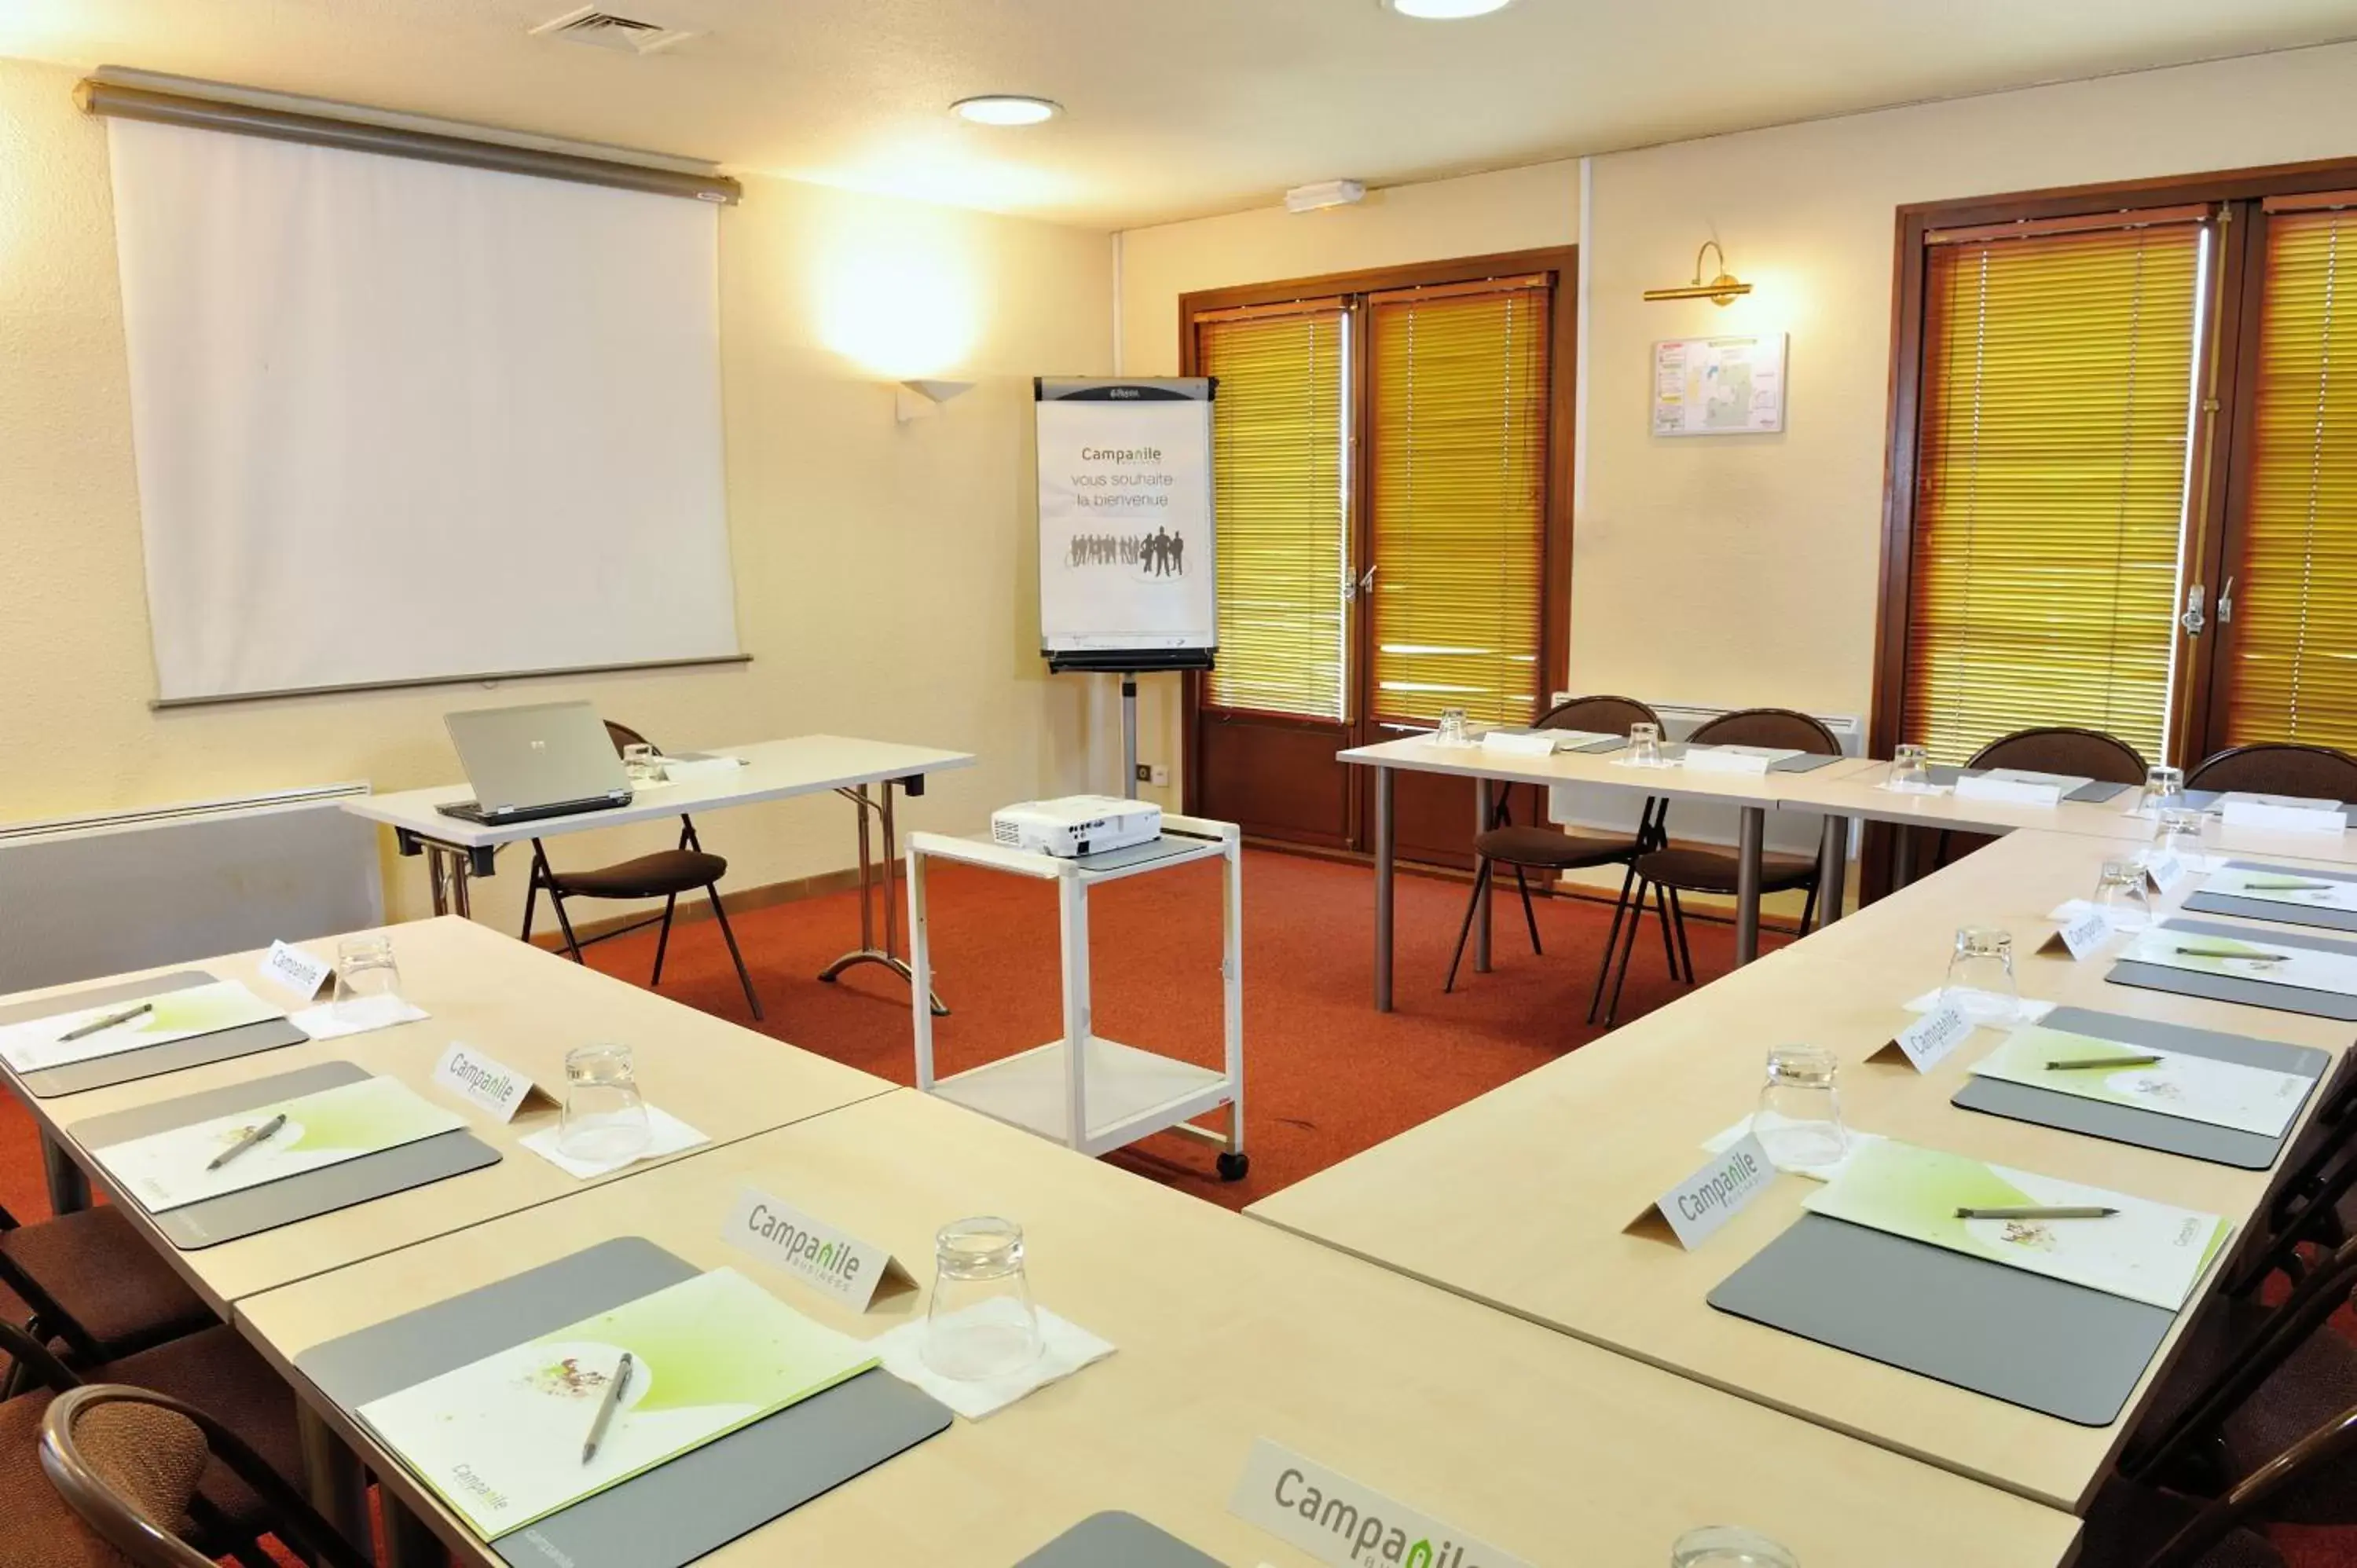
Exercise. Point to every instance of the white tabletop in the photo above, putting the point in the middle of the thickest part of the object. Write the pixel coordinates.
(1418, 754)
(774, 770)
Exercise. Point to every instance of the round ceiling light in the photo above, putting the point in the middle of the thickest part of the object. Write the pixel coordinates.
(1006, 109)
(1447, 10)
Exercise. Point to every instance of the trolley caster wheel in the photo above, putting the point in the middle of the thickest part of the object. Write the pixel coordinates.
(1233, 1167)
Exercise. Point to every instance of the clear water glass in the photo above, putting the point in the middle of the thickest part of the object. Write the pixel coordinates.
(2120, 894)
(642, 764)
(605, 1116)
(1910, 768)
(1728, 1546)
(1644, 746)
(2163, 786)
(1799, 1121)
(364, 972)
(980, 1323)
(1980, 982)
(1452, 730)
(2178, 832)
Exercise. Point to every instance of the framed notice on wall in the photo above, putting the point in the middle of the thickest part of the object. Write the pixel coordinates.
(1719, 386)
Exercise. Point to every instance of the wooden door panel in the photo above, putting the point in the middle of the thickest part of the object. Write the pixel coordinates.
(1275, 778)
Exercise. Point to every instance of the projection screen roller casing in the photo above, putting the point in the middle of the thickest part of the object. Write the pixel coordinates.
(398, 420)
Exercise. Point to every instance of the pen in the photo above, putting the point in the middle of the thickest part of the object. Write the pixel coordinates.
(620, 1381)
(2221, 952)
(2287, 886)
(2063, 1213)
(112, 1019)
(2073, 1062)
(246, 1140)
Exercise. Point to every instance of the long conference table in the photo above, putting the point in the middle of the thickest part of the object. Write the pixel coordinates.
(1228, 1331)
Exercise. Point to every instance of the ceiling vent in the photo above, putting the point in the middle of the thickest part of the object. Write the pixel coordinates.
(605, 30)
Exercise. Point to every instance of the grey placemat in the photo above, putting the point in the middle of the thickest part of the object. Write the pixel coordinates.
(148, 1061)
(2235, 988)
(2132, 1124)
(1598, 748)
(2092, 792)
(1145, 854)
(1117, 1540)
(306, 1197)
(678, 1512)
(2043, 1344)
(1806, 763)
(2282, 913)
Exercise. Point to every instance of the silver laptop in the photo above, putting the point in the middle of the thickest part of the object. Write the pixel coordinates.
(547, 759)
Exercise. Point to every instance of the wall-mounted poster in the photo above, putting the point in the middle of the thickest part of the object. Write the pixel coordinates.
(1719, 386)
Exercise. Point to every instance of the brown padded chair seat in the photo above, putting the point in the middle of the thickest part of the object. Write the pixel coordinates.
(656, 875)
(36, 1529)
(1546, 846)
(1713, 871)
(115, 1286)
(221, 1374)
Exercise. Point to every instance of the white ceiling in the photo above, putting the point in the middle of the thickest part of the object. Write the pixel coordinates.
(1176, 108)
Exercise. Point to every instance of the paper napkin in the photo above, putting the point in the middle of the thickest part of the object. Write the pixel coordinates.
(333, 1020)
(668, 1135)
(2032, 1009)
(1065, 1349)
(1720, 1142)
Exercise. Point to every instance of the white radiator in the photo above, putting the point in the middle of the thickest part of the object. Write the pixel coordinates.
(90, 896)
(1696, 822)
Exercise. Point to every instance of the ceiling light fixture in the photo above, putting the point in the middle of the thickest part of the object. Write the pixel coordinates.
(1329, 193)
(1721, 290)
(1006, 109)
(1445, 10)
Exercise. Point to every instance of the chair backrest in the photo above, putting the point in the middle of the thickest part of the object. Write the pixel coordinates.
(623, 736)
(2328, 1447)
(1605, 715)
(2275, 768)
(128, 1460)
(2060, 748)
(1787, 728)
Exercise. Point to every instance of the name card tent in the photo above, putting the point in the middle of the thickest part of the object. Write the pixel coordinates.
(1127, 577)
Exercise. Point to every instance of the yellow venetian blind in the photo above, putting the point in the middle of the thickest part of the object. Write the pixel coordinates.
(1281, 506)
(2292, 643)
(1460, 391)
(2056, 395)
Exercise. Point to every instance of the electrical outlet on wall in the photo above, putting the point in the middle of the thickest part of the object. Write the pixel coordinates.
(1145, 773)
(1161, 775)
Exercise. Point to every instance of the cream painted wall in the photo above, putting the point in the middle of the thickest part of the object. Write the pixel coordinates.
(1742, 569)
(886, 573)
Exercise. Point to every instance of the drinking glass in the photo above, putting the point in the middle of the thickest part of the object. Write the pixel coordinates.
(364, 971)
(1980, 982)
(1728, 1546)
(1910, 768)
(2163, 786)
(1452, 730)
(605, 1116)
(1798, 1120)
(2178, 833)
(2120, 893)
(981, 1323)
(642, 764)
(1644, 746)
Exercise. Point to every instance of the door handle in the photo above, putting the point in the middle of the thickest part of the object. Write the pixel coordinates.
(1363, 584)
(2192, 620)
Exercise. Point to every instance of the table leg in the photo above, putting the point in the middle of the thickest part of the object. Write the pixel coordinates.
(867, 951)
(1833, 870)
(68, 1188)
(337, 1485)
(1747, 884)
(1382, 889)
(448, 877)
(1903, 856)
(1481, 908)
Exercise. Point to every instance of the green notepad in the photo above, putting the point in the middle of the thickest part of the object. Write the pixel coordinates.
(2149, 1251)
(2191, 1088)
(172, 1015)
(2269, 963)
(169, 1170)
(499, 1440)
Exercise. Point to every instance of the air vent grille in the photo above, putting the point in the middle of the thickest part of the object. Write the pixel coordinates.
(607, 30)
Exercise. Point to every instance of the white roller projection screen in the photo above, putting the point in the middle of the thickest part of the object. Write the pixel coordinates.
(397, 420)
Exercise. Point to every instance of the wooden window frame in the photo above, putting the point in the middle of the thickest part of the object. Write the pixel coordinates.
(1356, 287)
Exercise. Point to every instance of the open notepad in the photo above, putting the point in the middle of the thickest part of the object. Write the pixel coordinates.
(2192, 1087)
(500, 1439)
(2277, 887)
(168, 1015)
(2147, 1252)
(171, 1170)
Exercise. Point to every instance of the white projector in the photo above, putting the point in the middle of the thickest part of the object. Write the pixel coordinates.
(1076, 824)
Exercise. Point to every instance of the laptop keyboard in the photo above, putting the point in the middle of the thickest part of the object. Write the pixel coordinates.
(473, 811)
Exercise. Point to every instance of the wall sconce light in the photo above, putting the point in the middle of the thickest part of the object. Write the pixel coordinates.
(922, 399)
(1721, 290)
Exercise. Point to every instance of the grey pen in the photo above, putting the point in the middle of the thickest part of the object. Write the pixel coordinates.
(2287, 886)
(112, 1019)
(2221, 952)
(246, 1140)
(2064, 1212)
(614, 1386)
(2073, 1063)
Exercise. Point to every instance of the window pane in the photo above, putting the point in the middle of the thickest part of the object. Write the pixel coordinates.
(1280, 506)
(1460, 417)
(2292, 669)
(2057, 395)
